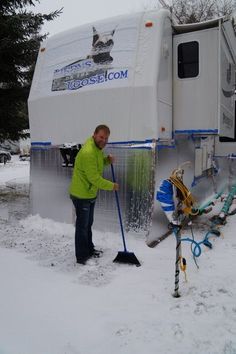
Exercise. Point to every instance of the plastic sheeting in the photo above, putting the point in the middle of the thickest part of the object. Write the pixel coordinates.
(135, 172)
(138, 170)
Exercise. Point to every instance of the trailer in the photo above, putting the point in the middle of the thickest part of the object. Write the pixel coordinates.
(166, 91)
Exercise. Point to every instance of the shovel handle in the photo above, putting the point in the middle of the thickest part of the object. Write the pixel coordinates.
(118, 207)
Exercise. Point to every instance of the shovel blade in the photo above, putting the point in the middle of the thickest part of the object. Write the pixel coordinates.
(127, 257)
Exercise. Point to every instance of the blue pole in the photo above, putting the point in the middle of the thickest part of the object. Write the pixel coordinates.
(118, 207)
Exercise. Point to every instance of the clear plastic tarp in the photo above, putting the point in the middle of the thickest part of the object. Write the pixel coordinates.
(134, 169)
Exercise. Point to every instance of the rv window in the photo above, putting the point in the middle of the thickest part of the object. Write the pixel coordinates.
(188, 60)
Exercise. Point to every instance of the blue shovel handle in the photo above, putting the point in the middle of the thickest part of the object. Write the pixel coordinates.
(118, 207)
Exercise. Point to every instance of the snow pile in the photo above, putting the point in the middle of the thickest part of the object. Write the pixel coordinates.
(51, 305)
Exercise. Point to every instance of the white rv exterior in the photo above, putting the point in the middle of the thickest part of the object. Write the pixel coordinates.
(205, 101)
(125, 93)
(151, 82)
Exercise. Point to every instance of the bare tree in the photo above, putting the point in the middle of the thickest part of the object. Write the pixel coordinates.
(190, 11)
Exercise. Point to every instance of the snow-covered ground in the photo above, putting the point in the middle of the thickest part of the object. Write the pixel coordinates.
(51, 305)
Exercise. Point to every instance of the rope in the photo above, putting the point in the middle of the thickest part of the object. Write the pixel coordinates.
(183, 193)
(196, 250)
(194, 258)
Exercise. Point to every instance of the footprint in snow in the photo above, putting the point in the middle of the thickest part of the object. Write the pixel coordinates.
(177, 331)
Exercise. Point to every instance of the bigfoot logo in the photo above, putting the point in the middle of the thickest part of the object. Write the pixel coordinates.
(101, 47)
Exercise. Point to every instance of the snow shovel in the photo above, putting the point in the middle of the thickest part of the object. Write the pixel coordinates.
(123, 256)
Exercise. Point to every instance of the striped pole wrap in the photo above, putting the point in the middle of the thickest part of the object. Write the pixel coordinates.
(177, 261)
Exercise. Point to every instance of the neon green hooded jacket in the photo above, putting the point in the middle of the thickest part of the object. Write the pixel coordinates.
(87, 174)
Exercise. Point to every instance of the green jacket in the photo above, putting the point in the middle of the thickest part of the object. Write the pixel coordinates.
(87, 174)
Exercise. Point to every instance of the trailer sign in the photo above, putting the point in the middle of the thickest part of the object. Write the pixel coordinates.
(97, 63)
(79, 79)
(97, 79)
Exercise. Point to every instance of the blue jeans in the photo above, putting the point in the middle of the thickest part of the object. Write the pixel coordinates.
(83, 228)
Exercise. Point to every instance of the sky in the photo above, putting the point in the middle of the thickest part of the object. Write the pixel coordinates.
(77, 12)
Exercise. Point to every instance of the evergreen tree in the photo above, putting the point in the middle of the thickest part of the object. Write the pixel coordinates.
(20, 39)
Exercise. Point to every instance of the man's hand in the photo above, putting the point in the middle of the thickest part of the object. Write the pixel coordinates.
(111, 158)
(115, 187)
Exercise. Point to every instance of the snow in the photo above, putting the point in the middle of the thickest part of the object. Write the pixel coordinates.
(51, 305)
(15, 170)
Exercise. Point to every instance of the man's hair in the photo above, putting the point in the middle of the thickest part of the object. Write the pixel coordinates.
(102, 127)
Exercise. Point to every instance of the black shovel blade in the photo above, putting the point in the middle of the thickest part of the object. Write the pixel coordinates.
(127, 257)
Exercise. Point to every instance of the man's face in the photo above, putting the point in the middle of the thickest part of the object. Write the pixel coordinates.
(101, 138)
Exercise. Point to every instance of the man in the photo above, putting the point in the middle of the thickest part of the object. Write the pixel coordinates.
(86, 181)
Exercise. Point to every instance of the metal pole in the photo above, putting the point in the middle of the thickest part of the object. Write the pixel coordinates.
(177, 261)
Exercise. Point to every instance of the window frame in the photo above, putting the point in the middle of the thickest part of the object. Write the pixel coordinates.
(197, 62)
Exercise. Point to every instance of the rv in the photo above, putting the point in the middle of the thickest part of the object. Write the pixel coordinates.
(166, 91)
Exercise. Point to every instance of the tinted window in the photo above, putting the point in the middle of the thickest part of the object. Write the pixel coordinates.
(188, 60)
